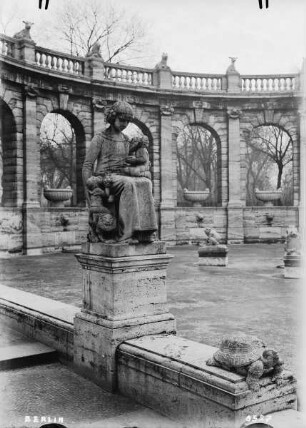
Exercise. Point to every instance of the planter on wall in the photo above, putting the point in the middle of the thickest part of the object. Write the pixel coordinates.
(197, 197)
(57, 197)
(268, 197)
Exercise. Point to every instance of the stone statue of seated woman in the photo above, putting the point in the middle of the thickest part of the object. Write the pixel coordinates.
(117, 182)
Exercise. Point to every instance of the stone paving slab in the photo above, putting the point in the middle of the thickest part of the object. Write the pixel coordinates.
(250, 295)
(17, 350)
(54, 391)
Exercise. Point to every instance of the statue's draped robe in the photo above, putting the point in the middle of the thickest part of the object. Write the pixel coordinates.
(136, 211)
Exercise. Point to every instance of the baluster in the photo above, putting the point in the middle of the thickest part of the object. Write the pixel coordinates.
(9, 49)
(123, 75)
(52, 62)
(65, 65)
(173, 81)
(150, 79)
(70, 66)
(75, 68)
(293, 82)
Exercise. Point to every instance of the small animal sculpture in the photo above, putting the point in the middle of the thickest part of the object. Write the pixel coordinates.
(95, 51)
(293, 244)
(25, 33)
(247, 356)
(213, 237)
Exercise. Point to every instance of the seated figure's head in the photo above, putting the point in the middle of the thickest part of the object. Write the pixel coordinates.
(119, 115)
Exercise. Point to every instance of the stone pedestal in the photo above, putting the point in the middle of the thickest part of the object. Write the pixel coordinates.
(124, 297)
(292, 265)
(213, 256)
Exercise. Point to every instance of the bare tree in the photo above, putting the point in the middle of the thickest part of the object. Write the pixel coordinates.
(57, 141)
(275, 143)
(269, 162)
(83, 24)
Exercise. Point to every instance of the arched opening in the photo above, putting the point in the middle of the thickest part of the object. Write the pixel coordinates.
(198, 164)
(8, 156)
(269, 165)
(62, 152)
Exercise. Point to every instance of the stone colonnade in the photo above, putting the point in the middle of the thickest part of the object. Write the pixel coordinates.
(162, 109)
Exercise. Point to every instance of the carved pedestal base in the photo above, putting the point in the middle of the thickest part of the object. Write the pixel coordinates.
(292, 266)
(213, 256)
(124, 297)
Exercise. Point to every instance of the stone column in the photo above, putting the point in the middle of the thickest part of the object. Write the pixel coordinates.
(94, 68)
(26, 50)
(162, 76)
(167, 212)
(98, 105)
(302, 210)
(235, 212)
(124, 297)
(31, 158)
(233, 77)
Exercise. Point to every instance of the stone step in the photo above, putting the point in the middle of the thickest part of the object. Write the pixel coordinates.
(25, 354)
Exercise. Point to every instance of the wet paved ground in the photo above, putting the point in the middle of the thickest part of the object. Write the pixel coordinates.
(250, 295)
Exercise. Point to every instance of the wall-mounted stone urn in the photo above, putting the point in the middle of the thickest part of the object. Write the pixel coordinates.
(57, 197)
(197, 197)
(268, 197)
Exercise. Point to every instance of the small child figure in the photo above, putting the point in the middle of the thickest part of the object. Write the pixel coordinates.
(140, 163)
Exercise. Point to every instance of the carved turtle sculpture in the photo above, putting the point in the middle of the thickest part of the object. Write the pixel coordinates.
(247, 356)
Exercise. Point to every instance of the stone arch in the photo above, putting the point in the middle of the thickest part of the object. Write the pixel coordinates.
(80, 152)
(8, 156)
(177, 129)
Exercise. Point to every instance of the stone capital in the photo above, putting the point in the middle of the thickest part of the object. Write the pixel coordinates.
(99, 104)
(63, 88)
(30, 90)
(233, 112)
(166, 110)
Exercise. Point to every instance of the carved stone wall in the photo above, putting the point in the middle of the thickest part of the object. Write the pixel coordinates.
(28, 96)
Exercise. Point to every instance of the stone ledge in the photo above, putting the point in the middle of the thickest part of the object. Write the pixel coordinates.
(124, 250)
(170, 374)
(47, 321)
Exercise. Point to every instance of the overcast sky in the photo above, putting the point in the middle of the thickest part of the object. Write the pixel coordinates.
(200, 35)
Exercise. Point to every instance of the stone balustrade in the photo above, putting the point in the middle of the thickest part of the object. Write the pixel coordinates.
(7, 46)
(197, 82)
(57, 61)
(269, 83)
(128, 74)
(138, 76)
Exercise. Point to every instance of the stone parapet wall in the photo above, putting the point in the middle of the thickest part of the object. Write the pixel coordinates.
(257, 229)
(11, 231)
(188, 231)
(55, 235)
